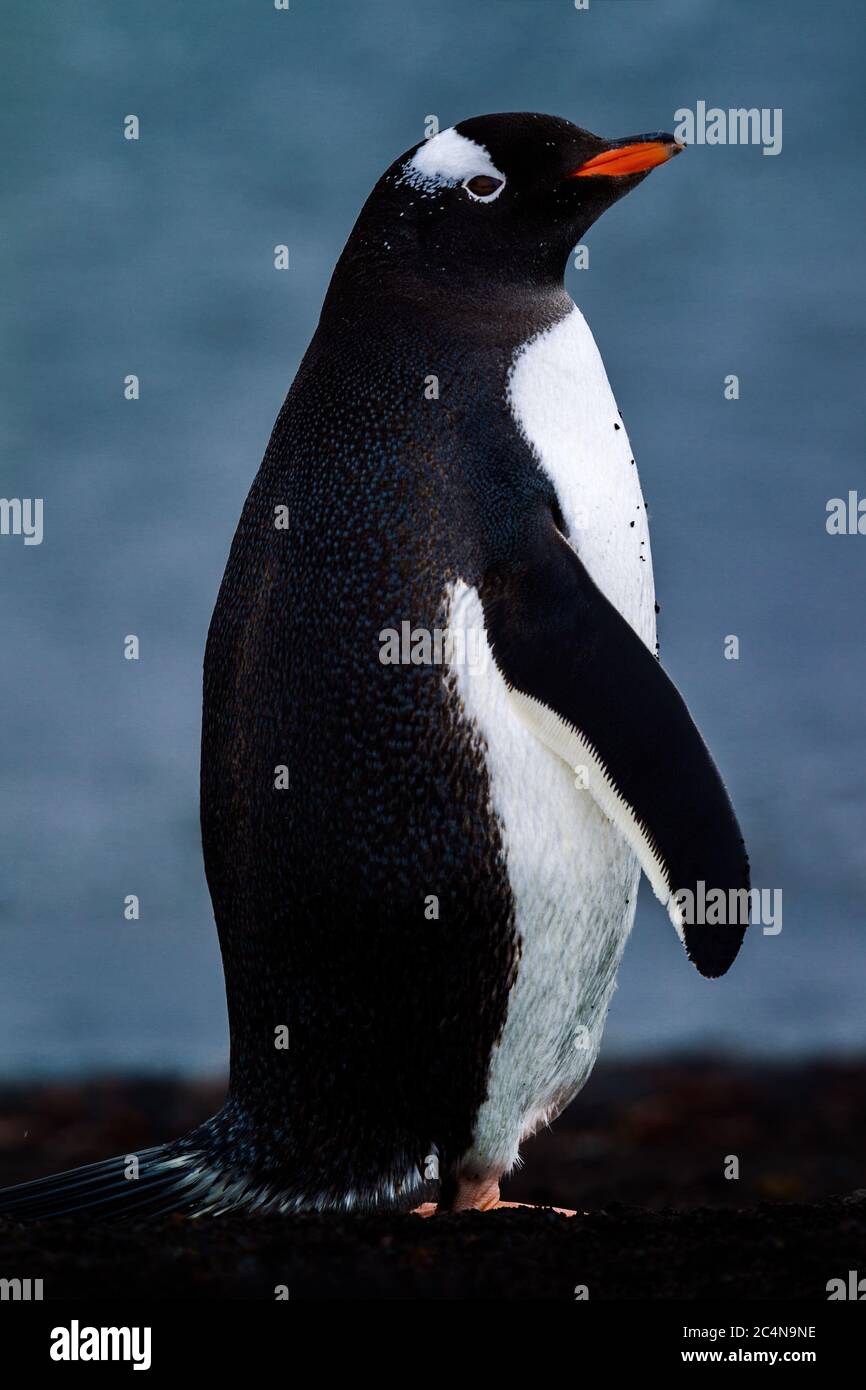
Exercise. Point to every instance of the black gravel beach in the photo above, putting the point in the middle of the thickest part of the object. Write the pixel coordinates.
(641, 1155)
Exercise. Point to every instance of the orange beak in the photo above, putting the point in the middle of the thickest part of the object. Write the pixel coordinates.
(633, 158)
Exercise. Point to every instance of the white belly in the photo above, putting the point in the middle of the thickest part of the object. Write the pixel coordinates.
(573, 878)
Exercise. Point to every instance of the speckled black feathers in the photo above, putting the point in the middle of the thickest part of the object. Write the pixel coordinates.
(320, 890)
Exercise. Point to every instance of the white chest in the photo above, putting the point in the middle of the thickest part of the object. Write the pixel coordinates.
(562, 402)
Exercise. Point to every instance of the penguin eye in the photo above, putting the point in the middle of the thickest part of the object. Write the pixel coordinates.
(483, 188)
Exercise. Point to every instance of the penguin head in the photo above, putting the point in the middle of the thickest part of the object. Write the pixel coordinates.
(502, 197)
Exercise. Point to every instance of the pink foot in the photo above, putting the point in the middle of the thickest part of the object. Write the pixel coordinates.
(482, 1194)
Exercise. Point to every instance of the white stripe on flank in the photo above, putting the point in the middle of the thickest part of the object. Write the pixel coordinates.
(574, 884)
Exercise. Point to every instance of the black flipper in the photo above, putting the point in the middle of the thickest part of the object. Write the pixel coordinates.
(592, 691)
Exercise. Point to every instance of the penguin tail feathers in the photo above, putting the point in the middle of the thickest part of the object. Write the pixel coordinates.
(153, 1182)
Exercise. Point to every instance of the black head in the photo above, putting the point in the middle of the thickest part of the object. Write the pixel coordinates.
(495, 198)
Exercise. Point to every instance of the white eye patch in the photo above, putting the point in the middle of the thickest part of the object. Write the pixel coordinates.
(448, 159)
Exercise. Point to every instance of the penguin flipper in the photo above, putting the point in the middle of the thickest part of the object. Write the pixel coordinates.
(590, 690)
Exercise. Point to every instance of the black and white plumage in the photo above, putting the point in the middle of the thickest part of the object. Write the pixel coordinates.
(523, 791)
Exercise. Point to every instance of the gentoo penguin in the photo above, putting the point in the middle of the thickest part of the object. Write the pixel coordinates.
(438, 747)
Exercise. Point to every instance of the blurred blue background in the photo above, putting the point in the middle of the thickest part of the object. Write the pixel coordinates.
(156, 258)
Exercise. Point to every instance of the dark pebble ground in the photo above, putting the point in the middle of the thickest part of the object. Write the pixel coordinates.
(641, 1153)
